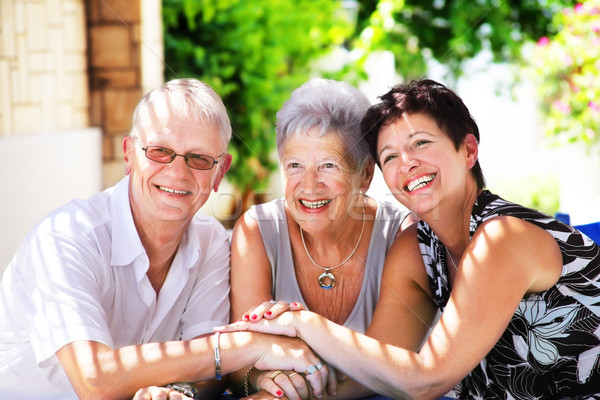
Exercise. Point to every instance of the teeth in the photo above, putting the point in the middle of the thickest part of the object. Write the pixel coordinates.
(419, 183)
(166, 189)
(315, 204)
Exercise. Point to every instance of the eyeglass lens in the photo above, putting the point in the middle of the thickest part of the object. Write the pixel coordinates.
(193, 160)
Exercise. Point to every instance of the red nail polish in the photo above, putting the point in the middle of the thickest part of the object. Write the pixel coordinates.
(246, 316)
(253, 316)
(279, 393)
(268, 313)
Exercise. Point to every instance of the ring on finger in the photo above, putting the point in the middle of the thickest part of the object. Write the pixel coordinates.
(274, 374)
(311, 369)
(292, 374)
(272, 301)
(319, 365)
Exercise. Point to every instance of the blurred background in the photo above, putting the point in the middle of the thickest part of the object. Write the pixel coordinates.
(72, 71)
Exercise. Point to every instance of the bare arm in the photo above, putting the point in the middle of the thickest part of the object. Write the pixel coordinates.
(506, 259)
(405, 312)
(96, 371)
(250, 268)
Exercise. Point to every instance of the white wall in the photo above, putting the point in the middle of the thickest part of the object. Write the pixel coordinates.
(40, 172)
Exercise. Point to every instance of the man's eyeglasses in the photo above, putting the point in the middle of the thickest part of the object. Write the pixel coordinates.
(164, 155)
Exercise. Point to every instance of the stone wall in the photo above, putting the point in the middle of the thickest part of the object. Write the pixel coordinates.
(115, 75)
(43, 66)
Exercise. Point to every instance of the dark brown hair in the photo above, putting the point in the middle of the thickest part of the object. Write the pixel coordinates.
(423, 96)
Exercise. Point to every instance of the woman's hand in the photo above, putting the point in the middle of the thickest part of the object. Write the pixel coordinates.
(159, 393)
(275, 352)
(287, 324)
(269, 310)
(288, 383)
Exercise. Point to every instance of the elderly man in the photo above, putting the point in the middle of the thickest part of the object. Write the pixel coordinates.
(121, 291)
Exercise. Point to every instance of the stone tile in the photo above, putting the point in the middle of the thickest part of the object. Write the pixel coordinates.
(7, 29)
(5, 99)
(18, 16)
(93, 11)
(116, 78)
(27, 118)
(40, 61)
(112, 172)
(73, 32)
(36, 25)
(118, 109)
(18, 72)
(54, 12)
(75, 62)
(110, 46)
(96, 108)
(119, 10)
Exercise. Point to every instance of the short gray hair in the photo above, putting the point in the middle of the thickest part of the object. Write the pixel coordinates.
(187, 96)
(333, 106)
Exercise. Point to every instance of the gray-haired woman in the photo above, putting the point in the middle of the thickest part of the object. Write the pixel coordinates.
(324, 244)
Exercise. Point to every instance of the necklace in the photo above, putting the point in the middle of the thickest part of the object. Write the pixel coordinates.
(326, 279)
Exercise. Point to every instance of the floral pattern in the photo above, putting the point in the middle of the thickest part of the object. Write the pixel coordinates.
(551, 347)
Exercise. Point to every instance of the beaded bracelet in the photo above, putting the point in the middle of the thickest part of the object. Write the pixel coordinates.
(246, 379)
(217, 357)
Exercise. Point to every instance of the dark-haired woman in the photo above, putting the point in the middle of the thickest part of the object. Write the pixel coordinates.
(519, 291)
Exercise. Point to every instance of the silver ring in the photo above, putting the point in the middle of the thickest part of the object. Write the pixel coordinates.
(319, 365)
(272, 302)
(311, 369)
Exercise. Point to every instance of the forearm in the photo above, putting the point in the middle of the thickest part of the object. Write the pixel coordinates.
(95, 371)
(384, 369)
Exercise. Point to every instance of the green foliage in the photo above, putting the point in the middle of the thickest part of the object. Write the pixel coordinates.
(539, 191)
(566, 70)
(253, 53)
(450, 32)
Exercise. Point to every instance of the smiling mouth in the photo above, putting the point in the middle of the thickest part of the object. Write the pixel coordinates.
(315, 204)
(419, 183)
(169, 190)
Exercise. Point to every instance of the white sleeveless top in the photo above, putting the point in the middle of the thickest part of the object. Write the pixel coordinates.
(273, 227)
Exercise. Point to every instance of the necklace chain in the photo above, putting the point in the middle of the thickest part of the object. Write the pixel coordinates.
(347, 258)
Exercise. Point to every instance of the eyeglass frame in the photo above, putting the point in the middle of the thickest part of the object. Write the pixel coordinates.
(215, 161)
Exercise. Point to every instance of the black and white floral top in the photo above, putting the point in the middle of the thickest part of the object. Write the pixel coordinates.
(551, 347)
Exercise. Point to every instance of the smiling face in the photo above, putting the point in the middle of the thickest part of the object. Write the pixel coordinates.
(320, 187)
(173, 191)
(421, 165)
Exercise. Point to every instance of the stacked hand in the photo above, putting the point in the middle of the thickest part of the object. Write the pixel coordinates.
(290, 384)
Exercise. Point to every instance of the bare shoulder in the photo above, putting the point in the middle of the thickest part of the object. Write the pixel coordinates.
(404, 258)
(245, 229)
(519, 245)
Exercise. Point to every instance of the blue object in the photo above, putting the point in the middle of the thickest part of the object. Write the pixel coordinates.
(564, 217)
(591, 230)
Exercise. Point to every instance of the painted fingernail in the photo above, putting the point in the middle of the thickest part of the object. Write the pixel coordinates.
(253, 316)
(246, 316)
(268, 313)
(294, 304)
(279, 393)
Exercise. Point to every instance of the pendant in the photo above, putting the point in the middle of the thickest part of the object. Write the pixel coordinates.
(327, 280)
